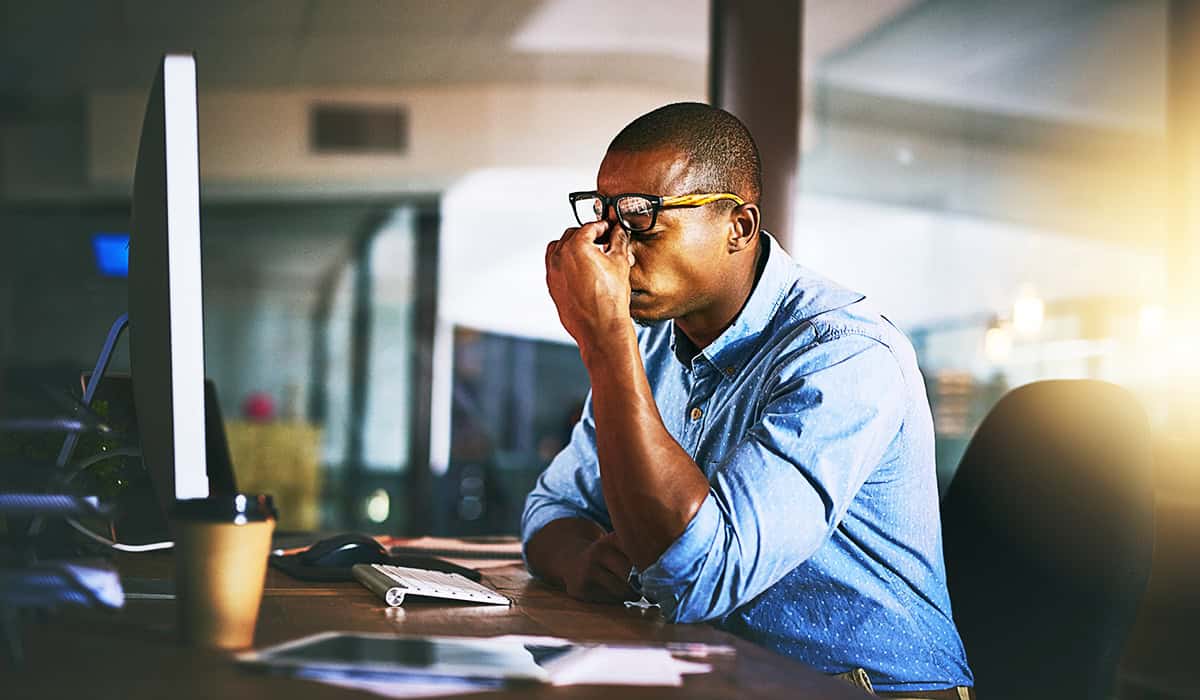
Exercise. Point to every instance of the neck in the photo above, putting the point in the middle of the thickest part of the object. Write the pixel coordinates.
(704, 326)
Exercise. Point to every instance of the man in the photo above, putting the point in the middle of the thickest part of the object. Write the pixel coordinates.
(760, 453)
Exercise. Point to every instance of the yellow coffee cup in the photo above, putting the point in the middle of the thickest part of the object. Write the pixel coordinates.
(222, 544)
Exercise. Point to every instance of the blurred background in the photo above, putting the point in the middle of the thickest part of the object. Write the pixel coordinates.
(379, 180)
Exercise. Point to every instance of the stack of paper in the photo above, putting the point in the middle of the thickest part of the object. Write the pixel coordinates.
(562, 663)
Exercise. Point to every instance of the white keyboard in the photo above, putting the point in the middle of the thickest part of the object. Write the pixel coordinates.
(395, 583)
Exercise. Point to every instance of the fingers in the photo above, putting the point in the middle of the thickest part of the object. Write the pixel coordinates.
(613, 539)
(555, 246)
(609, 557)
(581, 237)
(616, 562)
(588, 233)
(605, 573)
(603, 586)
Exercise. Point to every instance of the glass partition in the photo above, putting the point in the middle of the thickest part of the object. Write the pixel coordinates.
(992, 175)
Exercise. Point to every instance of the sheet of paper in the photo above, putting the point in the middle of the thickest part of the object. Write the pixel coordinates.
(398, 688)
(614, 665)
(601, 664)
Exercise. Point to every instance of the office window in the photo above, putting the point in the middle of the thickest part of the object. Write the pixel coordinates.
(365, 336)
(389, 374)
(993, 176)
(515, 401)
(334, 335)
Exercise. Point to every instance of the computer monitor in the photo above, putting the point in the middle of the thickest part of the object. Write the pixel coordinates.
(166, 321)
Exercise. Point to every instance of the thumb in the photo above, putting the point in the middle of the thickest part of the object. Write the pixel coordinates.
(619, 247)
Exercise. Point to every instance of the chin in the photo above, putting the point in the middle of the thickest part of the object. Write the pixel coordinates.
(648, 309)
(648, 317)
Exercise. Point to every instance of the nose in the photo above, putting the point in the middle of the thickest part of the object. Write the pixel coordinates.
(610, 214)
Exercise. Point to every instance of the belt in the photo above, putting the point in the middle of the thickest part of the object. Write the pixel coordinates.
(959, 693)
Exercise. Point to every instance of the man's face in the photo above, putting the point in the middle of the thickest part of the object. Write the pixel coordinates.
(681, 263)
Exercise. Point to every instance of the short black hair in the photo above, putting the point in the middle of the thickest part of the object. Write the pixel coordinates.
(722, 153)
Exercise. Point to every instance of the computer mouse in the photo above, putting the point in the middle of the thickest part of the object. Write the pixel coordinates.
(344, 550)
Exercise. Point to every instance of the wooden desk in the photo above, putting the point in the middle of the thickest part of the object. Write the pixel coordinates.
(134, 654)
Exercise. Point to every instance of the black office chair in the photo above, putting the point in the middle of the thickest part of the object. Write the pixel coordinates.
(1048, 527)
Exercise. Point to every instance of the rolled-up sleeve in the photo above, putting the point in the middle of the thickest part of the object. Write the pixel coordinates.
(775, 498)
(570, 486)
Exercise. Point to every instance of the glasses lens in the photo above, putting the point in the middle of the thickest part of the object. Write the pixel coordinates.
(588, 209)
(637, 213)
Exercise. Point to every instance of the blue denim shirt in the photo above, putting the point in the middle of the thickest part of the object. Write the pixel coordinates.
(820, 535)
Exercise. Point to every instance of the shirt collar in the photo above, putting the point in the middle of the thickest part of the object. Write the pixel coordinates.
(813, 295)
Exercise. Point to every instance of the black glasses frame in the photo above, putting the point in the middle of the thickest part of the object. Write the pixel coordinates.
(657, 204)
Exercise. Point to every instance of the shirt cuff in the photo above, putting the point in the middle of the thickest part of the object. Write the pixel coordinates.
(676, 574)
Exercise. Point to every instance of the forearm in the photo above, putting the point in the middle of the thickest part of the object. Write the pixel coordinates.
(553, 550)
(652, 486)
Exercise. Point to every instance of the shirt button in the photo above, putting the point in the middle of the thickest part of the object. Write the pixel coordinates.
(729, 371)
(697, 414)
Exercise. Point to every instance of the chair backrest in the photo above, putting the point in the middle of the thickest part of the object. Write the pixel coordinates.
(1048, 535)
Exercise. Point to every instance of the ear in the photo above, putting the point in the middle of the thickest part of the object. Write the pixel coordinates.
(743, 226)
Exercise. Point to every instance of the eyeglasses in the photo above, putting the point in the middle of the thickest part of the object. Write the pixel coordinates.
(637, 213)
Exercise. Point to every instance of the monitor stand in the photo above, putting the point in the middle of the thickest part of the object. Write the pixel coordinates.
(150, 524)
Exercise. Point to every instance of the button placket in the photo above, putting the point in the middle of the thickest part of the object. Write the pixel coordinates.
(698, 400)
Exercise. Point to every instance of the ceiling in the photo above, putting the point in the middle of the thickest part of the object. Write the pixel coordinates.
(1045, 113)
(53, 51)
(903, 91)
(1098, 62)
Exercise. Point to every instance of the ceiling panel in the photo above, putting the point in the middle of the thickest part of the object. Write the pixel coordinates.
(417, 18)
(665, 27)
(227, 62)
(829, 25)
(58, 49)
(1092, 62)
(375, 61)
(152, 19)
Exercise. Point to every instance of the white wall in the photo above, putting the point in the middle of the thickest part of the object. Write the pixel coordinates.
(495, 226)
